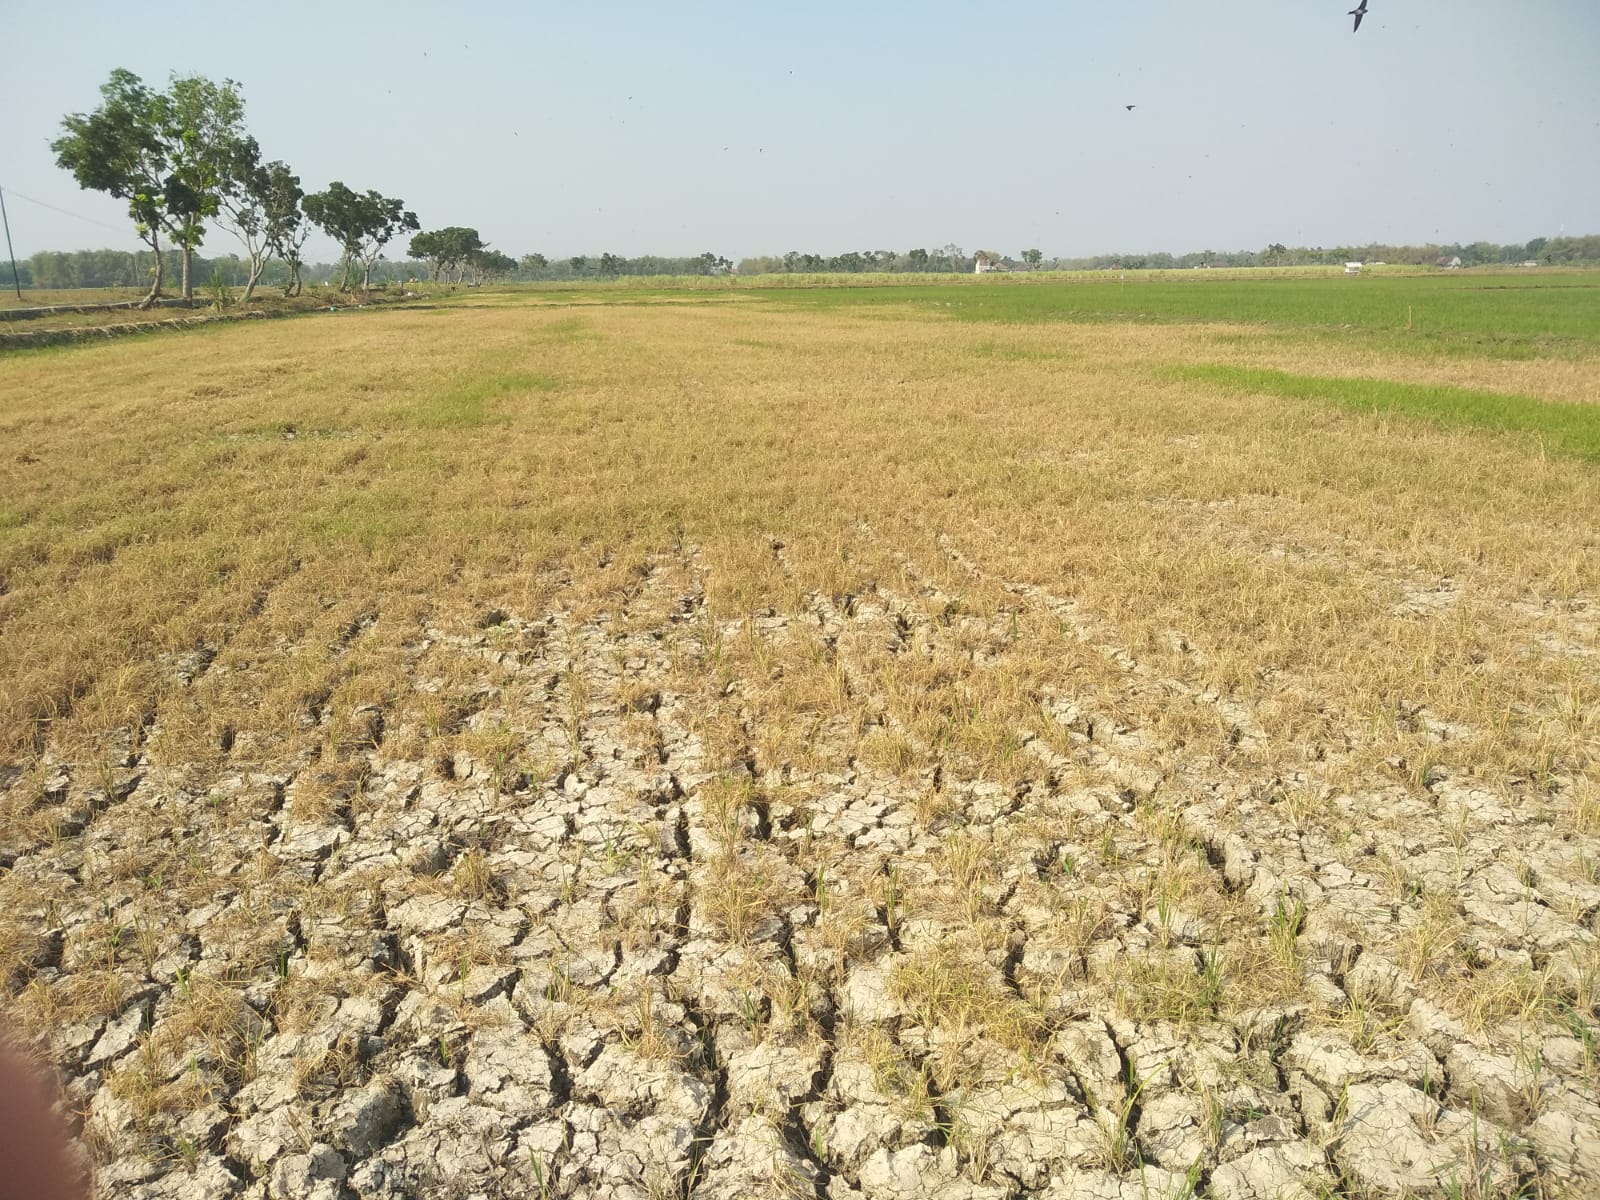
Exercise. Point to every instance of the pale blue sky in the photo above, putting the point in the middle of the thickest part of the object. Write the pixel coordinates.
(744, 128)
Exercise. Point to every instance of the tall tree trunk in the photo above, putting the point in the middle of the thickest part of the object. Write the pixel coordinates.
(155, 284)
(258, 264)
(188, 268)
(366, 275)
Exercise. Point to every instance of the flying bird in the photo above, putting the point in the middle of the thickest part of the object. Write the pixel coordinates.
(1358, 12)
(1130, 107)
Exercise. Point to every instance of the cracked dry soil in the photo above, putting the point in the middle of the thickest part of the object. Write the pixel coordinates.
(612, 947)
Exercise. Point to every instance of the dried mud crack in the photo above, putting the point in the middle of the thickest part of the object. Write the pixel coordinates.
(709, 907)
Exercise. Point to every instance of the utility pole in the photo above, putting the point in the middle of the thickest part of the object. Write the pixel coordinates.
(16, 280)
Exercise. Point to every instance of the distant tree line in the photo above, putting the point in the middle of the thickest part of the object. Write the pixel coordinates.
(125, 268)
(473, 262)
(537, 268)
(951, 258)
(181, 159)
(1548, 251)
(945, 259)
(56, 269)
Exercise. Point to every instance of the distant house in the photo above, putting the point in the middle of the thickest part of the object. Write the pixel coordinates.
(1532, 262)
(1352, 268)
(1451, 262)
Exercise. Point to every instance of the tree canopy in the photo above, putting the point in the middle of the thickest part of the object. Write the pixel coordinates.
(167, 153)
(118, 149)
(362, 223)
(287, 226)
(204, 129)
(260, 204)
(446, 250)
(488, 266)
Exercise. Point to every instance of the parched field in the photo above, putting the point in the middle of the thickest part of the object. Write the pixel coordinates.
(1080, 739)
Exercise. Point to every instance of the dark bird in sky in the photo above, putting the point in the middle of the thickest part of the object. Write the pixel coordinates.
(1130, 107)
(1358, 12)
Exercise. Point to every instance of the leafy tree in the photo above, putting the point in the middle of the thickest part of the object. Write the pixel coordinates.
(362, 223)
(260, 204)
(205, 124)
(917, 259)
(533, 264)
(166, 153)
(447, 250)
(239, 206)
(490, 265)
(287, 226)
(578, 262)
(611, 266)
(1033, 258)
(429, 248)
(119, 149)
(462, 246)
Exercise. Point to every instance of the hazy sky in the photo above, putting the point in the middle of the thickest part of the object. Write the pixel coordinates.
(749, 128)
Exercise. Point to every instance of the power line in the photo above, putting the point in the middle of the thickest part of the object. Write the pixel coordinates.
(16, 280)
(64, 212)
